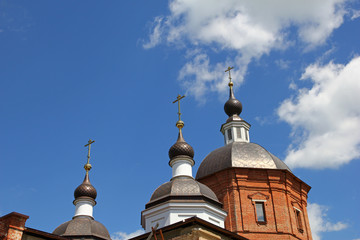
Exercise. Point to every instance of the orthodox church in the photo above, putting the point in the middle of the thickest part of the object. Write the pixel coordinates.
(241, 191)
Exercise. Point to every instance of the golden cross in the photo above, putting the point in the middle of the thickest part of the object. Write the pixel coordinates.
(228, 70)
(178, 98)
(88, 165)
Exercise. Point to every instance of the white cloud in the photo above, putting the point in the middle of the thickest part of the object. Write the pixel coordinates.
(319, 222)
(325, 119)
(125, 236)
(283, 64)
(155, 35)
(355, 14)
(248, 28)
(206, 77)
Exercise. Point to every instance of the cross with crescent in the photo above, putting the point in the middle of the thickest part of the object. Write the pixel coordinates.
(88, 165)
(178, 98)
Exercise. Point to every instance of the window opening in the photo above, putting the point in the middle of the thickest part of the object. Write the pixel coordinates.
(229, 134)
(238, 132)
(298, 220)
(260, 211)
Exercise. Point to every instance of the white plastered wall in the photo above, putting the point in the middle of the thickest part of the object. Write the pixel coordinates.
(169, 213)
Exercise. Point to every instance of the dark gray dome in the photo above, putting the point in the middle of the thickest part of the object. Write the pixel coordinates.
(182, 188)
(83, 226)
(239, 154)
(181, 148)
(85, 189)
(232, 107)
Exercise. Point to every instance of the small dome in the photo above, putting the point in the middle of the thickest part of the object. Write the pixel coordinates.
(181, 148)
(83, 227)
(239, 154)
(232, 107)
(181, 187)
(85, 189)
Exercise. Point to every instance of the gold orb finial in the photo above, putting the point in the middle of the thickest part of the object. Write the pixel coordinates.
(87, 167)
(180, 124)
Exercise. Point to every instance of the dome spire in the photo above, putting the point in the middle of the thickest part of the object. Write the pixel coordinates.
(235, 129)
(232, 106)
(179, 124)
(83, 224)
(87, 166)
(85, 194)
(182, 197)
(180, 147)
(231, 84)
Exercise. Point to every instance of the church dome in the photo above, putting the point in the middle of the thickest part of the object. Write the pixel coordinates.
(239, 154)
(85, 189)
(181, 148)
(232, 106)
(182, 188)
(83, 226)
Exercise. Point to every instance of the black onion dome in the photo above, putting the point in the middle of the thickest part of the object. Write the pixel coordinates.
(85, 189)
(232, 106)
(181, 148)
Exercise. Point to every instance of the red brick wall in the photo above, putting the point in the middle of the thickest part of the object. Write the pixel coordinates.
(281, 192)
(12, 226)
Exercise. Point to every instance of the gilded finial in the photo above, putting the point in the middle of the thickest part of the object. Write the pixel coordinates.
(230, 82)
(179, 123)
(87, 166)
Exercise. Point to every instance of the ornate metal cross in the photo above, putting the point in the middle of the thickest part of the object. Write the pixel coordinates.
(178, 98)
(228, 70)
(88, 165)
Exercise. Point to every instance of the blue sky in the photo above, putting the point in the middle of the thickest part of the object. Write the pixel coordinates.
(109, 71)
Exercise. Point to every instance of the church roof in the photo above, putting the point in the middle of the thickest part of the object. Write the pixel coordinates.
(239, 154)
(182, 188)
(83, 226)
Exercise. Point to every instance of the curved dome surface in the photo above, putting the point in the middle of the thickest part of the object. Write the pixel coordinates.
(83, 227)
(180, 187)
(181, 148)
(85, 190)
(239, 154)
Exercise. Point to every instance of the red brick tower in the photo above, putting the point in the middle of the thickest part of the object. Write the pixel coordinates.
(263, 198)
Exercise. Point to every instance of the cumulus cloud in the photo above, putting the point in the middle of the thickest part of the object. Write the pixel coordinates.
(125, 236)
(319, 222)
(250, 29)
(325, 118)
